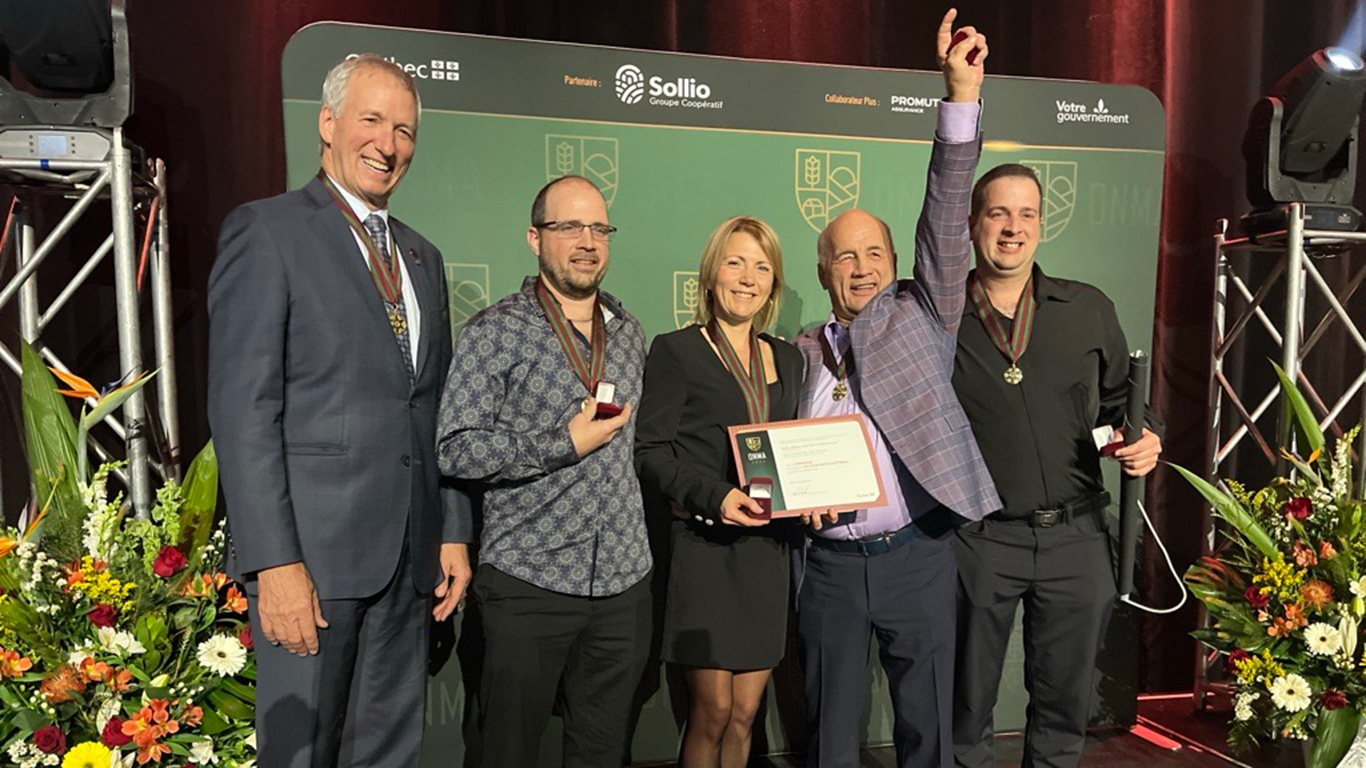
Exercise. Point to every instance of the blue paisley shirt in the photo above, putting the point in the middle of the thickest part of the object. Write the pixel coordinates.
(569, 525)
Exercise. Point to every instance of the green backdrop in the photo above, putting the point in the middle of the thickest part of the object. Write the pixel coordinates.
(679, 143)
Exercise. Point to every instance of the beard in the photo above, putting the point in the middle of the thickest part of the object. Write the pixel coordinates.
(574, 285)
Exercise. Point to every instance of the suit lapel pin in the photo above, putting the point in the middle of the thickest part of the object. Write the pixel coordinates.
(416, 259)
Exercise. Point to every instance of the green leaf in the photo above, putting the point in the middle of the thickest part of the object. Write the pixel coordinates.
(1299, 409)
(1231, 511)
(1333, 737)
(201, 500)
(242, 692)
(113, 400)
(212, 724)
(230, 706)
(51, 434)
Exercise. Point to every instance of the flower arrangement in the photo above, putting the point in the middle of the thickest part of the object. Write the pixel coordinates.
(122, 642)
(1286, 595)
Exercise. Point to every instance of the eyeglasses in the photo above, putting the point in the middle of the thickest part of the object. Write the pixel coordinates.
(569, 229)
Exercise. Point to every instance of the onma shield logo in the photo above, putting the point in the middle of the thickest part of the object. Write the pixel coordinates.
(827, 184)
(753, 443)
(687, 292)
(593, 157)
(469, 291)
(1059, 180)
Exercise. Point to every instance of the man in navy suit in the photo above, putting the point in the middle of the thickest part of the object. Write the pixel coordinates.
(329, 345)
(886, 354)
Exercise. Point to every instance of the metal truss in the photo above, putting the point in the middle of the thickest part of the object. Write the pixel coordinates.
(127, 185)
(1293, 248)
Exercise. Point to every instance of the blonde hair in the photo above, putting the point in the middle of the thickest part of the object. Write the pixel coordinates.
(716, 251)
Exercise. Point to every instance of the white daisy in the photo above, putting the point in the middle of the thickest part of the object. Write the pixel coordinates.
(1291, 693)
(1323, 639)
(223, 655)
(201, 752)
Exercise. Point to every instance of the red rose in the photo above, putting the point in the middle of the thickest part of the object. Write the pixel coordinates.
(169, 561)
(244, 636)
(1333, 700)
(104, 615)
(113, 736)
(1236, 658)
(50, 739)
(1299, 508)
(1255, 598)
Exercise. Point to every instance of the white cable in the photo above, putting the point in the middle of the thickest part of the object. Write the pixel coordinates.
(1184, 592)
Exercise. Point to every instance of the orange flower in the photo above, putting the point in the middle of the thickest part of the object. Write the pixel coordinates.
(1304, 554)
(94, 671)
(236, 601)
(119, 681)
(74, 574)
(1294, 614)
(194, 717)
(1316, 594)
(1326, 551)
(7, 545)
(159, 710)
(152, 752)
(62, 685)
(220, 579)
(12, 664)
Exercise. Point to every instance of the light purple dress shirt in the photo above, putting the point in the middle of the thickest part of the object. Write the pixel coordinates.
(906, 499)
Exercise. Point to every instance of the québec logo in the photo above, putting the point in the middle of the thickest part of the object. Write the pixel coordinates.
(633, 87)
(630, 84)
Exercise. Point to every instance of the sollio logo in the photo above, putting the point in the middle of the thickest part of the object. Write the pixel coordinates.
(632, 85)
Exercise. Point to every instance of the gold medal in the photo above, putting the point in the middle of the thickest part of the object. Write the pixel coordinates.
(1013, 374)
(398, 321)
(840, 392)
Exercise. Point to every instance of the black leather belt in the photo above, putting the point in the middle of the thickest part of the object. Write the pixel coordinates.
(931, 524)
(1062, 514)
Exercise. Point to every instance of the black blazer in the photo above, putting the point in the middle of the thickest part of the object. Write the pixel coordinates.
(326, 451)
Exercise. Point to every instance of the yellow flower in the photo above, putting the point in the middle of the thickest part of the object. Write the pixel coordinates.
(1283, 578)
(87, 754)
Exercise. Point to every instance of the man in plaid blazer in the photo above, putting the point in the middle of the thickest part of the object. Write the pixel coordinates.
(887, 354)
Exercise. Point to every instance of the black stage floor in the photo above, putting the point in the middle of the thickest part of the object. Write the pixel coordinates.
(1191, 740)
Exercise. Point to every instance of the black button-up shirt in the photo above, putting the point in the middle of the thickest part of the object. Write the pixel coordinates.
(1036, 435)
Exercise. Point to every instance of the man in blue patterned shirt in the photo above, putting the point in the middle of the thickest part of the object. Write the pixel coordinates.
(563, 553)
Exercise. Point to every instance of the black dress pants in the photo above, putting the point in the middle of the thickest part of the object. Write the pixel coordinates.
(535, 641)
(1064, 577)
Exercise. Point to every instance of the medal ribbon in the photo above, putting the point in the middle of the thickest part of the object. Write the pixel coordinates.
(752, 385)
(388, 278)
(1015, 345)
(846, 363)
(590, 371)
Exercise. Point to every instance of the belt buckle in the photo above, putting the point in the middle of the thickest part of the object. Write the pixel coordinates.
(1045, 518)
(881, 538)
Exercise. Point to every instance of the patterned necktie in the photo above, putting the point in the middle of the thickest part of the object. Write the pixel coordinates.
(374, 224)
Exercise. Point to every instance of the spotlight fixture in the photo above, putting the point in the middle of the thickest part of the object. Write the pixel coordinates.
(74, 53)
(1301, 143)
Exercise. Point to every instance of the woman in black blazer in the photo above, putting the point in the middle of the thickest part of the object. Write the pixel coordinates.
(726, 613)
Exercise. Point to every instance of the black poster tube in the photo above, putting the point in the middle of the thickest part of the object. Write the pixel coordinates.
(1131, 488)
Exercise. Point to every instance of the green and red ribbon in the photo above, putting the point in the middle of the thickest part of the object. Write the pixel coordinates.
(589, 371)
(1014, 345)
(388, 278)
(754, 384)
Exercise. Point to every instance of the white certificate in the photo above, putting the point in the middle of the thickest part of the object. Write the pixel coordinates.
(812, 464)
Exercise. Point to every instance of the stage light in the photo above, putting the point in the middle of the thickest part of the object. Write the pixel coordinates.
(75, 52)
(1301, 143)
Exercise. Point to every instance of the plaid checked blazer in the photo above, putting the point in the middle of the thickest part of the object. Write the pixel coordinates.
(904, 342)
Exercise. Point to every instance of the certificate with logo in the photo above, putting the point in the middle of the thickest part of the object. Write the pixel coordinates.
(808, 464)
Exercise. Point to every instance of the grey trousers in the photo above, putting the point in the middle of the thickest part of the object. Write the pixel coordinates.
(1064, 578)
(905, 599)
(359, 701)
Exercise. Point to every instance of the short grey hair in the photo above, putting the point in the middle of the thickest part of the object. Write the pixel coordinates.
(334, 85)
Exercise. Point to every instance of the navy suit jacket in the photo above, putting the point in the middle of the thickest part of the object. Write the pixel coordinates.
(904, 343)
(327, 452)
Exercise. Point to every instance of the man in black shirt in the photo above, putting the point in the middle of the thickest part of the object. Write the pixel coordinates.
(1041, 363)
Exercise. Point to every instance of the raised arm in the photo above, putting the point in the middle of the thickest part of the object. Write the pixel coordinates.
(943, 249)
